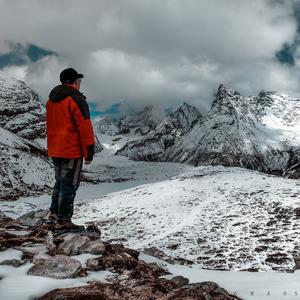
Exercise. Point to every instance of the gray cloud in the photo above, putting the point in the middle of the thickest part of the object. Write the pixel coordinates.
(160, 52)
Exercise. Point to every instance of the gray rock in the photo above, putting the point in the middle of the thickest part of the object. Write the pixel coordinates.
(32, 249)
(12, 262)
(180, 280)
(59, 267)
(32, 218)
(39, 257)
(72, 244)
(50, 244)
(93, 247)
(297, 262)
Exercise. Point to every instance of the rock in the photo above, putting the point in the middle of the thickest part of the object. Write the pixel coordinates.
(72, 244)
(180, 280)
(12, 262)
(50, 244)
(93, 227)
(153, 251)
(199, 291)
(297, 262)
(32, 218)
(39, 257)
(32, 249)
(93, 247)
(58, 267)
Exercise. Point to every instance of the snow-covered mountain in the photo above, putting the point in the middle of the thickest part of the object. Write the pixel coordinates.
(24, 166)
(20, 110)
(152, 147)
(139, 123)
(259, 132)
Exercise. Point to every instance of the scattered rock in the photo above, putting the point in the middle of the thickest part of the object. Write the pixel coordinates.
(32, 218)
(59, 267)
(50, 243)
(153, 251)
(180, 280)
(93, 247)
(12, 262)
(297, 262)
(39, 257)
(72, 244)
(32, 249)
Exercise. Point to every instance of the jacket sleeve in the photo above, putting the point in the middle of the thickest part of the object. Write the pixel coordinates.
(81, 116)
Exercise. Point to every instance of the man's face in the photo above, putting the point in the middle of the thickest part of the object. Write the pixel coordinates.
(78, 83)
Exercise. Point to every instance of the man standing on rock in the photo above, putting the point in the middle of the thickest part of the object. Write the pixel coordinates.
(70, 138)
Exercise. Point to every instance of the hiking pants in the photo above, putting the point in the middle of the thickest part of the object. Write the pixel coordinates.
(67, 176)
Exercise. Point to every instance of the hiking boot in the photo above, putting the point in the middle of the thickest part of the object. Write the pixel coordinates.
(68, 225)
(52, 219)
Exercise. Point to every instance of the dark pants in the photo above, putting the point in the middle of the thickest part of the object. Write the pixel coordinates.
(67, 176)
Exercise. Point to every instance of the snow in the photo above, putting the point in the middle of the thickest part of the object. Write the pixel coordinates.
(17, 285)
(230, 209)
(246, 285)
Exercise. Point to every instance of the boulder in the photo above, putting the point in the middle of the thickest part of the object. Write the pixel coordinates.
(59, 267)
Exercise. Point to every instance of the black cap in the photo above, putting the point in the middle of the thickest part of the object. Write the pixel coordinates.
(69, 76)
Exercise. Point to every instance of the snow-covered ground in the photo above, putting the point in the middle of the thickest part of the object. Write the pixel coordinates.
(221, 218)
(15, 284)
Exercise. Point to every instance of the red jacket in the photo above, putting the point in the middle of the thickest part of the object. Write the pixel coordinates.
(69, 128)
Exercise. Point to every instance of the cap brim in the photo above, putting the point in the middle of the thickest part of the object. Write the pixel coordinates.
(80, 76)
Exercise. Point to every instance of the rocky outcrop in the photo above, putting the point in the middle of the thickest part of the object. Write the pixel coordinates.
(132, 278)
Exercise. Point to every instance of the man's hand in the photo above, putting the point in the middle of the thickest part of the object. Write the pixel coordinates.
(87, 162)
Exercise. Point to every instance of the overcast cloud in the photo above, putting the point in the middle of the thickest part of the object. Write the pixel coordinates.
(154, 51)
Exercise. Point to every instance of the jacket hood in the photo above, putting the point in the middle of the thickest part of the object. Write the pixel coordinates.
(60, 92)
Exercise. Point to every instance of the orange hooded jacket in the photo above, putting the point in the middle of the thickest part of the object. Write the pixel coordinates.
(69, 128)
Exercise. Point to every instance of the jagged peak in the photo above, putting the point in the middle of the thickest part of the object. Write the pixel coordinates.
(185, 108)
(264, 93)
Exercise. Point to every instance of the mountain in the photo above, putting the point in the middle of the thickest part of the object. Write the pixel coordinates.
(138, 123)
(252, 132)
(152, 146)
(258, 132)
(20, 110)
(24, 166)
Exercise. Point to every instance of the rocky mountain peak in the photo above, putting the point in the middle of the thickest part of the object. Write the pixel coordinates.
(20, 109)
(226, 98)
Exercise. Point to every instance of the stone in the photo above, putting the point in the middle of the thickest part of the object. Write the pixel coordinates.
(12, 262)
(32, 249)
(180, 280)
(58, 267)
(297, 262)
(39, 257)
(32, 218)
(72, 244)
(50, 243)
(93, 247)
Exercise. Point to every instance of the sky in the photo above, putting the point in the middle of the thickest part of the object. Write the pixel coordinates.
(142, 52)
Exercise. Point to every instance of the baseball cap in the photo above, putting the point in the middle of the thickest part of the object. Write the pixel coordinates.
(69, 75)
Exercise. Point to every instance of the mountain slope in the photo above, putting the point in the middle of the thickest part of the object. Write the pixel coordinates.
(152, 146)
(219, 218)
(251, 132)
(20, 110)
(24, 167)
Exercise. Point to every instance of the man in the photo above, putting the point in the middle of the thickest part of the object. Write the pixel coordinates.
(70, 138)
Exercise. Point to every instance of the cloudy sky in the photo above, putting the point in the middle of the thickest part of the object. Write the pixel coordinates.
(160, 52)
